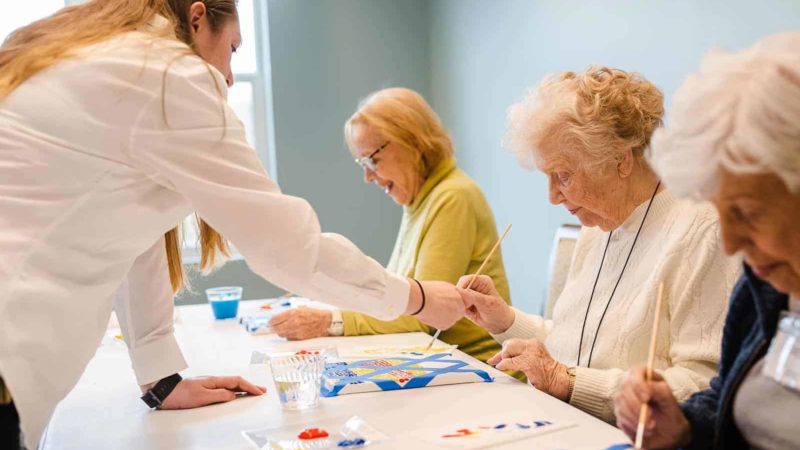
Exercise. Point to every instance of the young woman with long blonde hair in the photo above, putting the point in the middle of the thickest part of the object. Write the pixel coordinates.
(113, 127)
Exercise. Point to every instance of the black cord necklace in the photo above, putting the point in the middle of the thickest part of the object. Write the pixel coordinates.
(591, 296)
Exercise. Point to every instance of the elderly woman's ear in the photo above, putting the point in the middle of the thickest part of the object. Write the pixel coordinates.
(626, 164)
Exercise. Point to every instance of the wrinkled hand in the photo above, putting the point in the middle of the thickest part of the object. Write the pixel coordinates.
(301, 323)
(531, 357)
(666, 426)
(202, 391)
(484, 305)
(443, 305)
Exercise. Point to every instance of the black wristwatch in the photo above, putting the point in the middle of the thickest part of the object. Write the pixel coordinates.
(156, 395)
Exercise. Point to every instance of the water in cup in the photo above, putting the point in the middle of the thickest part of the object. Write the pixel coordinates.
(224, 301)
(297, 379)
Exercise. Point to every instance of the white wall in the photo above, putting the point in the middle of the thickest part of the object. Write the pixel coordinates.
(486, 53)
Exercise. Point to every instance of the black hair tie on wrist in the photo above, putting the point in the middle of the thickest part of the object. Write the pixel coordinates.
(423, 298)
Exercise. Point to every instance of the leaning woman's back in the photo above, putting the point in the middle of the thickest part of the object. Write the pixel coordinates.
(67, 167)
(82, 160)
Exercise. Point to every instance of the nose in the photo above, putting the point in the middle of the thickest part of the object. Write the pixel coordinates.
(229, 80)
(554, 193)
(369, 176)
(733, 237)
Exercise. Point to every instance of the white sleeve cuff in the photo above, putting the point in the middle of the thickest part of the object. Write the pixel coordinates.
(525, 326)
(157, 359)
(593, 392)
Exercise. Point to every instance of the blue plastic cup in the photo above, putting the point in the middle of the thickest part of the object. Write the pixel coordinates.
(224, 301)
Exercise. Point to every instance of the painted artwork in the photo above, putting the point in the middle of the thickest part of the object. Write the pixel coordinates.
(490, 432)
(402, 372)
(410, 350)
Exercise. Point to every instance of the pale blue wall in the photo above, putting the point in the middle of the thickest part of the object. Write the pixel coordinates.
(325, 57)
(484, 54)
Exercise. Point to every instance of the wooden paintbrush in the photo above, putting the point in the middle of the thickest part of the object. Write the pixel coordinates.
(649, 371)
(475, 277)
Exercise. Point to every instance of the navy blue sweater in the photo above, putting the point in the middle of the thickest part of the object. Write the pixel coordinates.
(750, 325)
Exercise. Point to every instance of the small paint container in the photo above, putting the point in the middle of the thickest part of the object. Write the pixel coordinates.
(224, 301)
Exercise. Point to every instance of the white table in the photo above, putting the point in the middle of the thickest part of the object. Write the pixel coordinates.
(104, 410)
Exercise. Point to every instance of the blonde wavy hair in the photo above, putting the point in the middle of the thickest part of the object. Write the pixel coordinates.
(403, 117)
(594, 117)
(43, 43)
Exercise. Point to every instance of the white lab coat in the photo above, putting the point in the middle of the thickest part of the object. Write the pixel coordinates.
(95, 166)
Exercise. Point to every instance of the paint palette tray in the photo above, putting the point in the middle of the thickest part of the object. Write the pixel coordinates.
(353, 433)
(393, 373)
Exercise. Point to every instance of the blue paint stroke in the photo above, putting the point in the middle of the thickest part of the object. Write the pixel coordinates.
(351, 443)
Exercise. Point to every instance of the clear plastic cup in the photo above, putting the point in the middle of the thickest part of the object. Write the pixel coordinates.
(224, 301)
(297, 379)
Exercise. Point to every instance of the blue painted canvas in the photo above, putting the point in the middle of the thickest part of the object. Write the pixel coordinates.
(393, 373)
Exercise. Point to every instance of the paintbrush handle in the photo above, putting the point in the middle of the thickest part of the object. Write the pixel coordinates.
(435, 336)
(649, 370)
(640, 428)
(485, 260)
(475, 277)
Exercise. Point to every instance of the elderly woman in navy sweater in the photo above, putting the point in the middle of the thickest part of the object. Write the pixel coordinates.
(734, 138)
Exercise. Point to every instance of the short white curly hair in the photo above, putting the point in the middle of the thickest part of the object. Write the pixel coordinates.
(740, 112)
(593, 117)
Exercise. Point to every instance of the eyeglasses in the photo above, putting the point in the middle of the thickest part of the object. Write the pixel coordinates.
(367, 163)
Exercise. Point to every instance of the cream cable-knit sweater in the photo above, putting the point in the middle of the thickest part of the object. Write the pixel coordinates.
(679, 245)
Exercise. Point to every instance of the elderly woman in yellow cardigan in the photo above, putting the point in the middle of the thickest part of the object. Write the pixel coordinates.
(447, 227)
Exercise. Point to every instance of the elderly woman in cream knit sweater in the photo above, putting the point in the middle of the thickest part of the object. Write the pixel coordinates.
(587, 133)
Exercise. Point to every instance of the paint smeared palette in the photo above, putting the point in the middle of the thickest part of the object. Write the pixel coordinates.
(401, 372)
(354, 433)
(490, 432)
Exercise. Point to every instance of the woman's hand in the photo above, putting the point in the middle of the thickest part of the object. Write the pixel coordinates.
(666, 426)
(484, 305)
(443, 306)
(202, 391)
(301, 323)
(531, 357)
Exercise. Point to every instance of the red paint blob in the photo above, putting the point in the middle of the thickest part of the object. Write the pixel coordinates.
(460, 433)
(312, 433)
